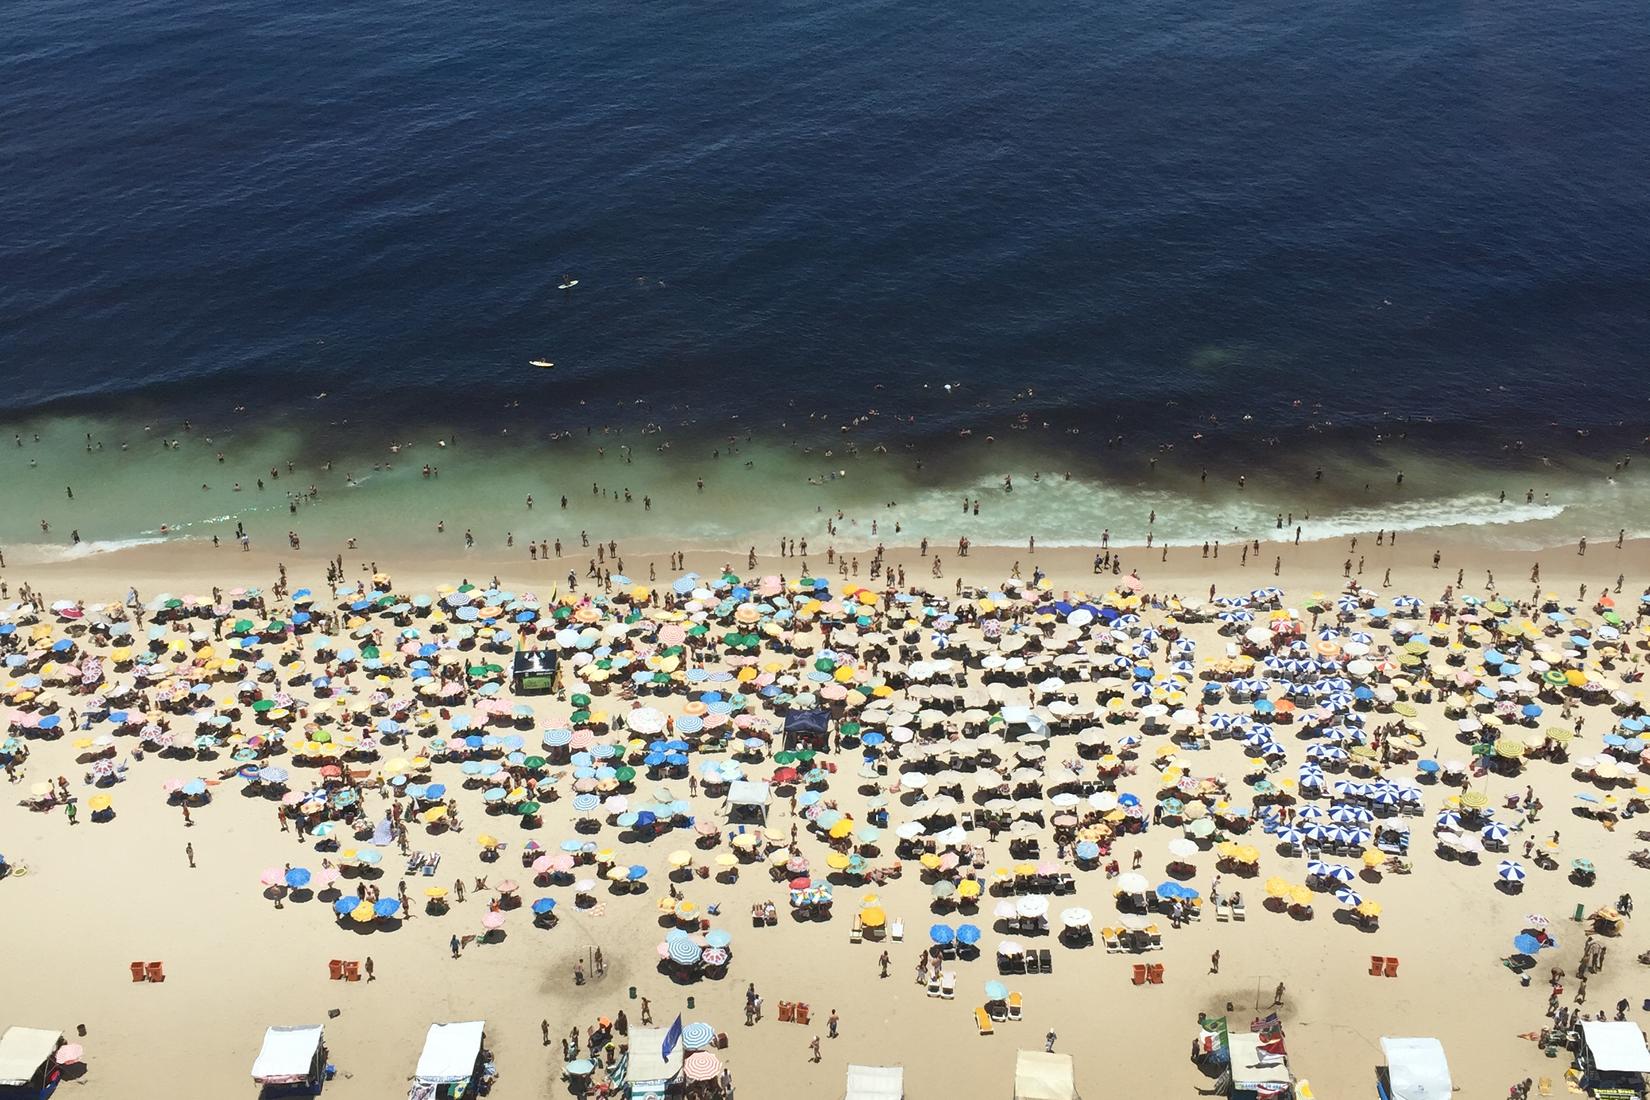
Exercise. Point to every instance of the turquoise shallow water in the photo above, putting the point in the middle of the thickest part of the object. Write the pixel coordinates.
(752, 494)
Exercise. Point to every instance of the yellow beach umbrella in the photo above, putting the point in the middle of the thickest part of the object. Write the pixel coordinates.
(1301, 896)
(874, 917)
(487, 841)
(1278, 887)
(1369, 909)
(968, 888)
(679, 858)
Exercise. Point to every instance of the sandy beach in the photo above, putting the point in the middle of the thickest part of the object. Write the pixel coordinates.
(100, 894)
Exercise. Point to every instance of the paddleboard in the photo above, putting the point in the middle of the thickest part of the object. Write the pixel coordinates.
(568, 285)
(543, 364)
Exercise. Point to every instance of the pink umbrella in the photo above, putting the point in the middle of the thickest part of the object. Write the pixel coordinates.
(292, 798)
(70, 1053)
(492, 920)
(701, 1065)
(508, 886)
(542, 864)
(272, 876)
(326, 876)
(172, 786)
(562, 862)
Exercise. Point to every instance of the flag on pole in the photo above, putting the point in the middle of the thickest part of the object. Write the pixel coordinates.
(672, 1037)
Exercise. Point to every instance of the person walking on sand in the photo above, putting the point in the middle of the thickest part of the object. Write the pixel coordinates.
(601, 964)
(1277, 995)
(883, 962)
(647, 1013)
(189, 853)
(814, 1047)
(1048, 1041)
(368, 967)
(1214, 963)
(831, 1024)
(454, 944)
(544, 1029)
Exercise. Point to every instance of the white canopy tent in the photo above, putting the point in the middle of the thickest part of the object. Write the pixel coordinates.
(1416, 1069)
(290, 1055)
(1615, 1046)
(875, 1083)
(450, 1052)
(1251, 1071)
(24, 1052)
(650, 1069)
(1040, 1076)
(749, 793)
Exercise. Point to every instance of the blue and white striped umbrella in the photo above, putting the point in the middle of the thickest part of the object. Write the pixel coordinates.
(1495, 831)
(1511, 871)
(586, 803)
(1342, 874)
(1348, 896)
(1317, 868)
(698, 1036)
(1291, 836)
(683, 951)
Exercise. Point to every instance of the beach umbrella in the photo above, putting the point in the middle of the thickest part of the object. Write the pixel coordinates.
(996, 991)
(701, 1065)
(698, 1036)
(683, 951)
(1511, 871)
(941, 934)
(346, 905)
(968, 934)
(297, 878)
(1526, 944)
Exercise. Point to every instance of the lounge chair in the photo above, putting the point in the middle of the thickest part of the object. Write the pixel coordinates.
(1032, 966)
(1154, 938)
(1045, 960)
(1108, 936)
(983, 1021)
(948, 985)
(896, 930)
(857, 933)
(1016, 1005)
(998, 1011)
(1223, 912)
(1238, 912)
(933, 985)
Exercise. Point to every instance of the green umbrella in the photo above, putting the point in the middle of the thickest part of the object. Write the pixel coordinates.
(825, 664)
(369, 653)
(242, 626)
(698, 630)
(527, 809)
(534, 762)
(579, 716)
(1554, 676)
(624, 774)
(1497, 607)
(263, 705)
(172, 605)
(1405, 709)
(580, 700)
(563, 612)
(784, 757)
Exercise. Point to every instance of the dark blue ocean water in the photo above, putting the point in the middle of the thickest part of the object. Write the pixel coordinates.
(1401, 209)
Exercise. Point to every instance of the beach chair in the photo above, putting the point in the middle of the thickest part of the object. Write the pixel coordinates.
(1139, 974)
(1045, 960)
(1391, 967)
(1194, 909)
(933, 985)
(948, 985)
(857, 932)
(352, 972)
(1544, 1086)
(431, 862)
(139, 974)
(1154, 973)
(982, 1021)
(1154, 938)
(156, 972)
(998, 1011)
(335, 969)
(1016, 1006)
(1108, 936)
(1031, 962)
(1223, 912)
(896, 930)
(1238, 912)
(1377, 965)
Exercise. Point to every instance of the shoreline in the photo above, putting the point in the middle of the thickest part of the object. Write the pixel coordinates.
(179, 564)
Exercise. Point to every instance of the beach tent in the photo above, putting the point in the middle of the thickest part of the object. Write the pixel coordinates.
(26, 1061)
(291, 1056)
(807, 729)
(875, 1083)
(1254, 1074)
(1039, 1076)
(744, 794)
(450, 1053)
(651, 1070)
(1612, 1056)
(1020, 721)
(1415, 1070)
(534, 671)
